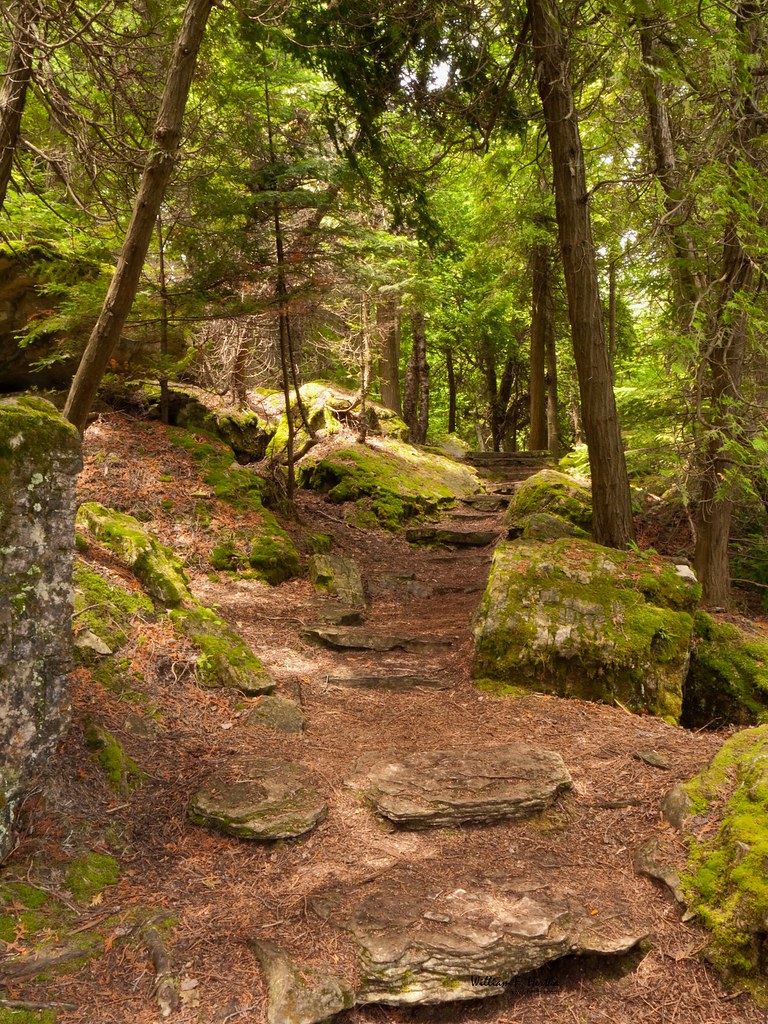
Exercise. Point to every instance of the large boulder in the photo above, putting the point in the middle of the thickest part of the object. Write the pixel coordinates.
(723, 812)
(39, 462)
(392, 481)
(576, 619)
(550, 504)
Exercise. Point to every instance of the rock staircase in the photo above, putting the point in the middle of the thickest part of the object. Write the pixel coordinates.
(418, 939)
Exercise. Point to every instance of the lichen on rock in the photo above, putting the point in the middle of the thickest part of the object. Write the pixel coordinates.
(576, 619)
(39, 461)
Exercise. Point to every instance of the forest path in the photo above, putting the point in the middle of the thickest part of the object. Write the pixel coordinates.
(226, 893)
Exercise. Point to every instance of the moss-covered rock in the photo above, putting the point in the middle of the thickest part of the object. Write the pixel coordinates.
(727, 833)
(106, 609)
(225, 659)
(159, 570)
(122, 772)
(728, 679)
(399, 481)
(277, 713)
(553, 493)
(265, 551)
(544, 526)
(576, 619)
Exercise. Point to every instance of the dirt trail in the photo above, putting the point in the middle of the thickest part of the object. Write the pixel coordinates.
(226, 892)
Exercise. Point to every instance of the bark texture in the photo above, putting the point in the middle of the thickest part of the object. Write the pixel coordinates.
(612, 524)
(13, 94)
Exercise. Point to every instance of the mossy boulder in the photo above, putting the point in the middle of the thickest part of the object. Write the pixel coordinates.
(327, 407)
(726, 827)
(575, 619)
(398, 481)
(106, 609)
(728, 679)
(554, 494)
(545, 526)
(159, 570)
(224, 659)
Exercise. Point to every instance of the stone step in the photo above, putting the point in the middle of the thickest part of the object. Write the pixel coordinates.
(363, 640)
(388, 682)
(272, 799)
(486, 502)
(453, 538)
(522, 458)
(431, 789)
(421, 940)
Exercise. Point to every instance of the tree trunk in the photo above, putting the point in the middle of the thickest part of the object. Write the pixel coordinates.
(451, 390)
(537, 438)
(416, 400)
(553, 433)
(388, 323)
(365, 365)
(13, 94)
(612, 508)
(161, 160)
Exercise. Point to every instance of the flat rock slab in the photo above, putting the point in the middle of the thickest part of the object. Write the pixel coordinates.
(362, 640)
(274, 801)
(278, 713)
(455, 538)
(299, 994)
(459, 787)
(337, 615)
(338, 576)
(388, 682)
(424, 942)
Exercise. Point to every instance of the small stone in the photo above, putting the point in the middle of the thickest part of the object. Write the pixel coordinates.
(364, 640)
(652, 758)
(676, 806)
(651, 859)
(275, 801)
(453, 538)
(685, 572)
(338, 576)
(85, 640)
(278, 713)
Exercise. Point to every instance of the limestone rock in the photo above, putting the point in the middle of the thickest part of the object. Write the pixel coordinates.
(299, 994)
(363, 640)
(39, 462)
(275, 801)
(277, 713)
(339, 577)
(421, 942)
(544, 526)
(459, 787)
(676, 806)
(576, 619)
(553, 493)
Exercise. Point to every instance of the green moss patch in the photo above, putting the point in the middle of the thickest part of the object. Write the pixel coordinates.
(727, 880)
(225, 659)
(106, 609)
(728, 678)
(90, 875)
(576, 619)
(398, 481)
